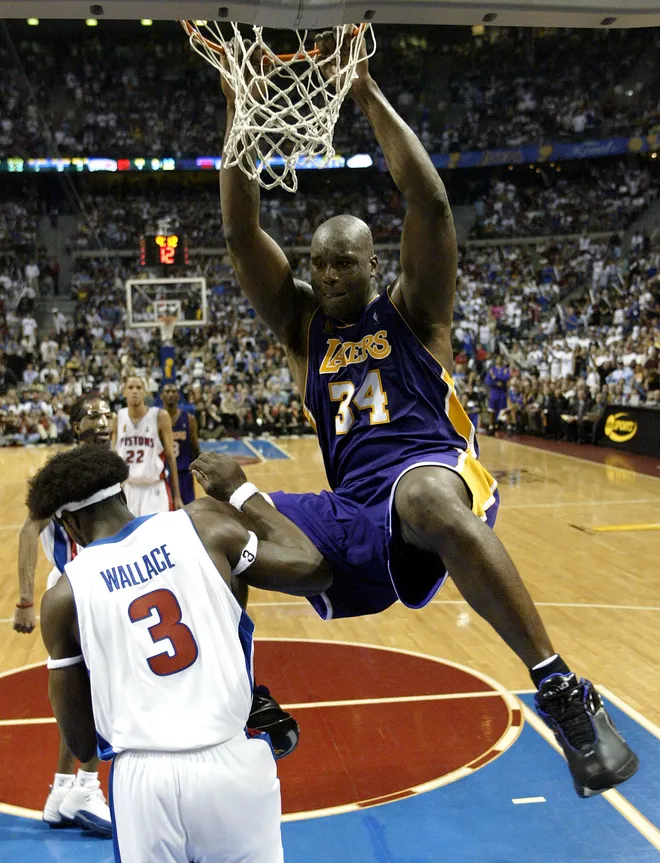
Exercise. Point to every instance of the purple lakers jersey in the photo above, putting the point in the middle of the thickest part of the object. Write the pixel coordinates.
(377, 397)
(181, 435)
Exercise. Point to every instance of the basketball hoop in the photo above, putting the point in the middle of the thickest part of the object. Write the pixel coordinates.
(286, 108)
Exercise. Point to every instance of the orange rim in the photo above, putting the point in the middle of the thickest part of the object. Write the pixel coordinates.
(192, 31)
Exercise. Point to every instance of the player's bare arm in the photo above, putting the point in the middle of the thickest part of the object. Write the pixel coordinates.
(424, 293)
(194, 435)
(167, 439)
(286, 559)
(68, 686)
(261, 266)
(113, 431)
(25, 616)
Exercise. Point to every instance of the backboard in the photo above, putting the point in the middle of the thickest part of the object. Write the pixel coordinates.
(149, 301)
(310, 14)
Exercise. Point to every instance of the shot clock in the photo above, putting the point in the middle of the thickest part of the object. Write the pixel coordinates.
(163, 250)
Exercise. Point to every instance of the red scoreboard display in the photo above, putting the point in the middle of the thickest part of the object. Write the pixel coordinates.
(163, 250)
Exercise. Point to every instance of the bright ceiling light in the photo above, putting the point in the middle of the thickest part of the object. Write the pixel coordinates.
(91, 22)
(33, 22)
(146, 22)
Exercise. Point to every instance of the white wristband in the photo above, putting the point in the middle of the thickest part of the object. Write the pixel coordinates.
(242, 494)
(66, 662)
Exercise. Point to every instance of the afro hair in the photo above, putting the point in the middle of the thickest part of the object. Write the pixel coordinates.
(72, 476)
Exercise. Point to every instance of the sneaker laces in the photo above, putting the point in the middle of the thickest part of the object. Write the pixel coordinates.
(566, 708)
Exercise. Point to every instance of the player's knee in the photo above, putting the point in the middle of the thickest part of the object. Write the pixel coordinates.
(432, 502)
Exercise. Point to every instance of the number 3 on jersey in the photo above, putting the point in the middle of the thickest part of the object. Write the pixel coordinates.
(168, 627)
(370, 396)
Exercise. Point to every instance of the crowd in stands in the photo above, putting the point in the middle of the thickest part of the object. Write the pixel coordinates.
(576, 322)
(596, 196)
(141, 92)
(598, 200)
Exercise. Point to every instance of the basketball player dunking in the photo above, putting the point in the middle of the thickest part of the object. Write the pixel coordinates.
(167, 696)
(73, 798)
(411, 500)
(143, 438)
(186, 442)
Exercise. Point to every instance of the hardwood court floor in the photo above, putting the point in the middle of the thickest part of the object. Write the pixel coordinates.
(599, 593)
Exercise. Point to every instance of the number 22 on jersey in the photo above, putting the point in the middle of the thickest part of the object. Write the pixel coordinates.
(370, 396)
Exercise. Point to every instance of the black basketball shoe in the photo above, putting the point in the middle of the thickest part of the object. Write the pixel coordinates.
(598, 757)
(267, 715)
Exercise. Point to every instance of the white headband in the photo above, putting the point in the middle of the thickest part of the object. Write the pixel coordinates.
(104, 493)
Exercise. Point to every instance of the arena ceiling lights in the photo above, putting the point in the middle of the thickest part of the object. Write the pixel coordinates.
(302, 14)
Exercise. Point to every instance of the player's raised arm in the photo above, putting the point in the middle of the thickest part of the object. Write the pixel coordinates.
(284, 558)
(25, 618)
(68, 679)
(428, 242)
(261, 267)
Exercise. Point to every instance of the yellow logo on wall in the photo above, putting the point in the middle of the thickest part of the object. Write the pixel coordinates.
(620, 428)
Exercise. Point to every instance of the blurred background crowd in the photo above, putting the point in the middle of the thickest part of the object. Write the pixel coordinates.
(558, 295)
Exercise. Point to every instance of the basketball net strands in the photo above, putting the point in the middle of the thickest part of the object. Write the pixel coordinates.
(286, 105)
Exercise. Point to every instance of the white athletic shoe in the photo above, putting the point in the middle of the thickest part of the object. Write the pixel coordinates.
(86, 806)
(52, 815)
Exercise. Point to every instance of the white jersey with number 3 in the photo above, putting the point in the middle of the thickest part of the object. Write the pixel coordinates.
(167, 646)
(140, 446)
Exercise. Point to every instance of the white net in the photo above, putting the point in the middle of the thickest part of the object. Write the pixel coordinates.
(287, 105)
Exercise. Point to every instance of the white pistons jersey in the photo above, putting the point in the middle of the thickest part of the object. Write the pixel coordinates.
(167, 646)
(140, 446)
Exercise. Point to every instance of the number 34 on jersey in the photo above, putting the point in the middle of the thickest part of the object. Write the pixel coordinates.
(370, 396)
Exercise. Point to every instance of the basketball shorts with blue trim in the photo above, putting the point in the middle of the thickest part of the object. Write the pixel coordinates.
(372, 565)
(220, 804)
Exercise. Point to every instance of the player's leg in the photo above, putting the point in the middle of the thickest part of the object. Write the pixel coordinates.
(186, 486)
(63, 781)
(230, 803)
(434, 508)
(75, 798)
(134, 498)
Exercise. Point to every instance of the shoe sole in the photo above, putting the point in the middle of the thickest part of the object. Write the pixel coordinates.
(60, 825)
(294, 739)
(90, 826)
(629, 769)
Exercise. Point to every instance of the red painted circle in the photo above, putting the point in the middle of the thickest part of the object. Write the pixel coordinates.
(348, 753)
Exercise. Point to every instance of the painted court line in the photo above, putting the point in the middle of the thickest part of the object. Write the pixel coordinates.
(351, 702)
(40, 720)
(519, 800)
(304, 604)
(613, 607)
(20, 812)
(639, 718)
(621, 528)
(394, 699)
(589, 503)
(623, 806)
(255, 451)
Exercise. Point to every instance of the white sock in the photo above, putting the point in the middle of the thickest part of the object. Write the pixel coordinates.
(545, 662)
(63, 780)
(86, 778)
